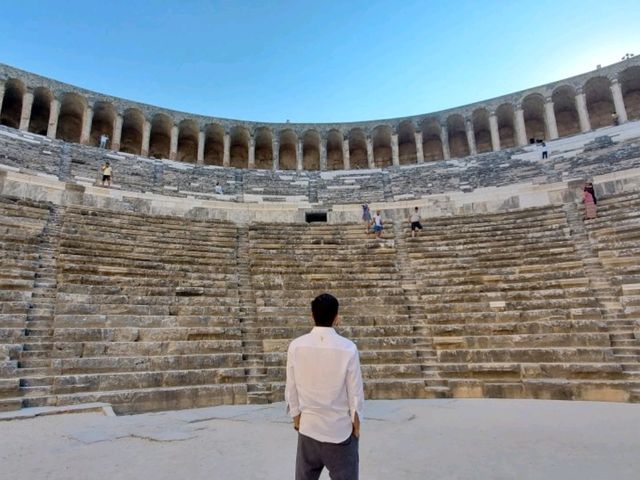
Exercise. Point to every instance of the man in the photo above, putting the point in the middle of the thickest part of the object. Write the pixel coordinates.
(377, 224)
(325, 397)
(415, 222)
(218, 189)
(104, 138)
(106, 174)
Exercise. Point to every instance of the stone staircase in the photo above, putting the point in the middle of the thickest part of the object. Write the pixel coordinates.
(511, 309)
(615, 243)
(291, 264)
(34, 364)
(26, 278)
(258, 387)
(434, 383)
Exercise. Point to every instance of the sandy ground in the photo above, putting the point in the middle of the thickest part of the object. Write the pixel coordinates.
(401, 439)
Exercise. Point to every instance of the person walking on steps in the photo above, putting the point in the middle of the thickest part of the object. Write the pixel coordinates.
(366, 217)
(377, 224)
(414, 220)
(590, 201)
(325, 396)
(106, 174)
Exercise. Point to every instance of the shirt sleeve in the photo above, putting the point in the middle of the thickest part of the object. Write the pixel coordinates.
(355, 390)
(290, 390)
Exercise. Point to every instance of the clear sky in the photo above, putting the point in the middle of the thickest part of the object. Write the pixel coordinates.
(314, 61)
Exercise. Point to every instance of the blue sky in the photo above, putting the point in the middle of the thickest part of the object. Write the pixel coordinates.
(314, 61)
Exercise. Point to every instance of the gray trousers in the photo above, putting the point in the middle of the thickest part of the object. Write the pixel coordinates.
(341, 459)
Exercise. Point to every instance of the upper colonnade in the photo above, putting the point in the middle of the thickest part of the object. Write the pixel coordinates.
(566, 107)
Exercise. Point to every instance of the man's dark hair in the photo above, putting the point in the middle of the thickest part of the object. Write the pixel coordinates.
(324, 309)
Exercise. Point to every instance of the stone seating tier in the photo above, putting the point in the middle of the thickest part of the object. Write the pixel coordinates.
(570, 158)
(158, 312)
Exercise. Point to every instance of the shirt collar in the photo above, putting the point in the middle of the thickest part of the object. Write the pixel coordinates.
(323, 330)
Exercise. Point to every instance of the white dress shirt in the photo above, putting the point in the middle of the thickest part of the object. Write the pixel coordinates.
(324, 383)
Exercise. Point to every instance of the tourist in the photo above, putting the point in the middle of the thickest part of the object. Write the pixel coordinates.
(106, 174)
(218, 188)
(414, 219)
(590, 201)
(325, 397)
(377, 224)
(104, 138)
(366, 217)
(545, 150)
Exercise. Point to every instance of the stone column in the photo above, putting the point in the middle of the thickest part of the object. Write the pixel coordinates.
(200, 157)
(521, 130)
(173, 144)
(87, 120)
(54, 113)
(550, 119)
(146, 137)
(299, 153)
(583, 113)
(495, 132)
(251, 163)
(323, 154)
(471, 136)
(618, 101)
(345, 154)
(117, 133)
(419, 149)
(370, 160)
(444, 138)
(226, 150)
(25, 115)
(275, 145)
(1, 95)
(395, 151)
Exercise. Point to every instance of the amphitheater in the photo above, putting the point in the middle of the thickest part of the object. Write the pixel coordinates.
(160, 294)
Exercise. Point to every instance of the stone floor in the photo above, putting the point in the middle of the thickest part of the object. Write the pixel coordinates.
(401, 439)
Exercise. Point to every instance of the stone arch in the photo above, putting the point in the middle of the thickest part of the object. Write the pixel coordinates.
(263, 148)
(160, 137)
(432, 140)
(599, 101)
(564, 107)
(357, 149)
(40, 111)
(239, 147)
(14, 91)
(132, 131)
(72, 110)
(630, 84)
(311, 150)
(103, 117)
(188, 133)
(381, 140)
(458, 144)
(506, 127)
(481, 130)
(214, 144)
(533, 112)
(407, 143)
(335, 160)
(288, 146)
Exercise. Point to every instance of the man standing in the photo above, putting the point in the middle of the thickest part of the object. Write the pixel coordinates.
(325, 397)
(106, 174)
(377, 224)
(414, 219)
(104, 138)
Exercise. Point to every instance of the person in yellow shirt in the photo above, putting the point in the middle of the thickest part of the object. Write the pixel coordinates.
(106, 174)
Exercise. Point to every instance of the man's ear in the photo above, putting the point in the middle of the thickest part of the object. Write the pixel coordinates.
(336, 321)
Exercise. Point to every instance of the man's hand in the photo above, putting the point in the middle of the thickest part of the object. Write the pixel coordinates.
(356, 426)
(296, 422)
